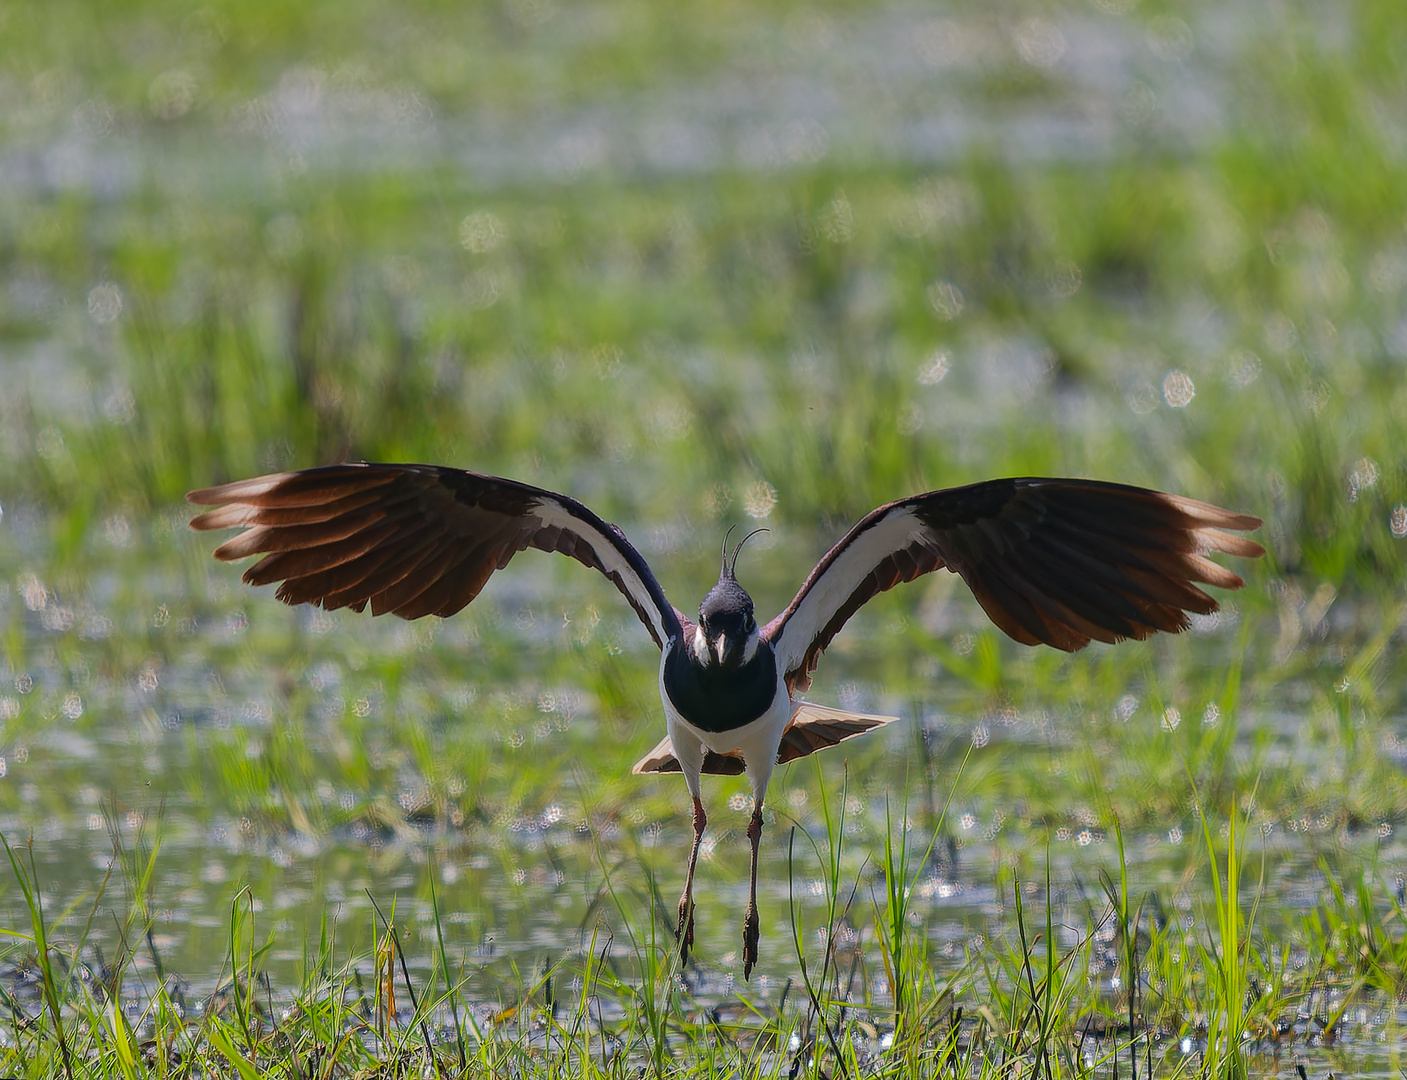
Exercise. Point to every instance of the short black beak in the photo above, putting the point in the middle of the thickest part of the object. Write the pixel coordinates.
(724, 648)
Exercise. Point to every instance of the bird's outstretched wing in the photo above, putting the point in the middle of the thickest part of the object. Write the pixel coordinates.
(413, 539)
(1059, 562)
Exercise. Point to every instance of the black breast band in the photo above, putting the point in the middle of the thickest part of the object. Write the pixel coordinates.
(720, 699)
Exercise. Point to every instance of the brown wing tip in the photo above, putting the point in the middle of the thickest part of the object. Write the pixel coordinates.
(1208, 514)
(239, 491)
(222, 517)
(230, 495)
(1229, 543)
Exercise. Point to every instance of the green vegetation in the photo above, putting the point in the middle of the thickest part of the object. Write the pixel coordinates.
(1214, 992)
(693, 265)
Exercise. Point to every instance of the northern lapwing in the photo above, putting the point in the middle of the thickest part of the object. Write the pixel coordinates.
(1054, 562)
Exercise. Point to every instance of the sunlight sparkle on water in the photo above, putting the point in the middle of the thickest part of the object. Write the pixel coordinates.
(934, 370)
(1363, 476)
(760, 499)
(104, 303)
(946, 300)
(1064, 281)
(1040, 43)
(1244, 368)
(482, 231)
(1178, 389)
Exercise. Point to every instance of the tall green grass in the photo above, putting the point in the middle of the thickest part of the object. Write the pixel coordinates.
(770, 332)
(1084, 990)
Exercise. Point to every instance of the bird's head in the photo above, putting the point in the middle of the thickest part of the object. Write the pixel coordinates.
(727, 635)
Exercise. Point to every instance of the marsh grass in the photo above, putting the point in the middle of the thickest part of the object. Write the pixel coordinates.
(802, 340)
(1088, 990)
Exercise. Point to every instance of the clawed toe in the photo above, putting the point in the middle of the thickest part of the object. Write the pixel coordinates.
(751, 934)
(685, 933)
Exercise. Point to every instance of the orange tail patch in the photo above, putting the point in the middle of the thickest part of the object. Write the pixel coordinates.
(812, 728)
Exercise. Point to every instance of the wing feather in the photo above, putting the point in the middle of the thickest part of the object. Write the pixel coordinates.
(1055, 562)
(413, 540)
(285, 562)
(401, 598)
(463, 584)
(1095, 597)
(323, 585)
(396, 557)
(311, 487)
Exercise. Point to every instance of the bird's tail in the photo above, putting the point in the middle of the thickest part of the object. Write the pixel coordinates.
(812, 728)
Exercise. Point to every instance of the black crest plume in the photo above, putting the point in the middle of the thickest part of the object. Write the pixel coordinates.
(730, 562)
(726, 571)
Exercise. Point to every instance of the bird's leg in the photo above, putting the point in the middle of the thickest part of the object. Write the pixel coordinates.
(750, 929)
(685, 933)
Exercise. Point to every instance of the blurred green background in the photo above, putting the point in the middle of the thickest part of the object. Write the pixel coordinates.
(694, 264)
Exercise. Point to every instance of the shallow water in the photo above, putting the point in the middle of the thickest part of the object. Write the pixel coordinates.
(303, 765)
(152, 704)
(326, 761)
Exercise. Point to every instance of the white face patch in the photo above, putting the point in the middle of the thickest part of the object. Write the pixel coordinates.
(720, 647)
(701, 652)
(750, 648)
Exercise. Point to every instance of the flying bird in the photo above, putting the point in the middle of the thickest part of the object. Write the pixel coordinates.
(1051, 561)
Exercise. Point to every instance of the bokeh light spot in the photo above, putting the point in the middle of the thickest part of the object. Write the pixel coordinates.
(1178, 389)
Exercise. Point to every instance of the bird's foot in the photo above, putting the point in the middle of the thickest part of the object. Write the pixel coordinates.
(751, 935)
(685, 933)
